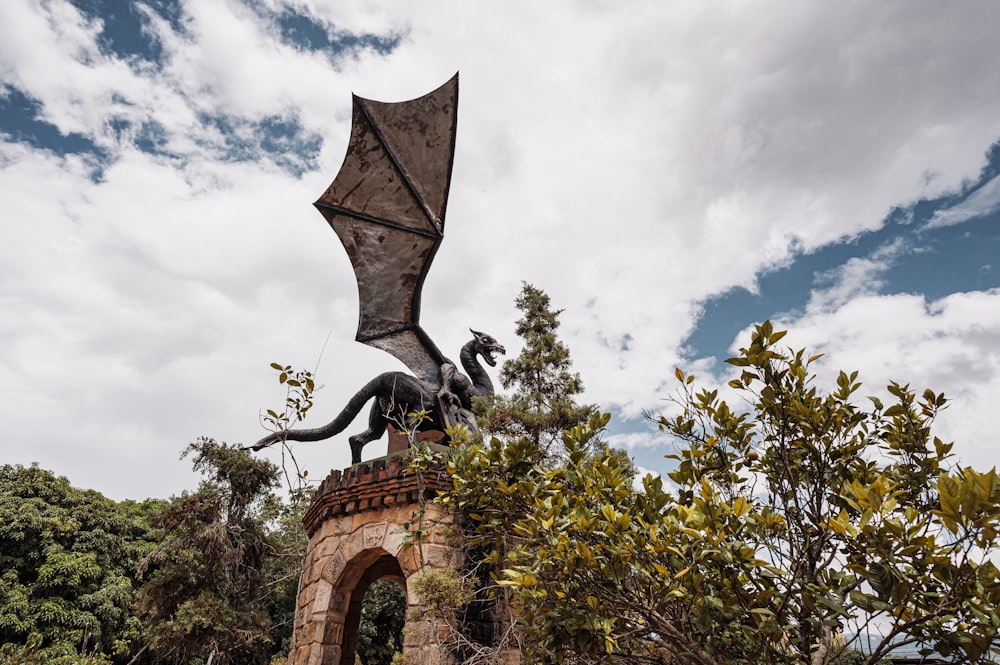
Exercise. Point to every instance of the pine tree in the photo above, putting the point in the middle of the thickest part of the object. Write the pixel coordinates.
(542, 404)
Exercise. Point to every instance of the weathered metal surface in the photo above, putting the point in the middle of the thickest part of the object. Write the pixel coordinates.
(387, 206)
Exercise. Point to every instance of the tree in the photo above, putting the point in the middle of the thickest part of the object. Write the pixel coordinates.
(204, 591)
(542, 404)
(67, 561)
(794, 525)
(282, 569)
(380, 631)
(33, 653)
(493, 477)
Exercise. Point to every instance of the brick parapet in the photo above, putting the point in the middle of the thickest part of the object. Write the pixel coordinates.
(380, 483)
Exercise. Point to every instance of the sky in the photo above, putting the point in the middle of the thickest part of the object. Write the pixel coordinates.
(670, 173)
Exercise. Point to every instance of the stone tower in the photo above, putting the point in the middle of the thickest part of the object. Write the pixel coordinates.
(357, 527)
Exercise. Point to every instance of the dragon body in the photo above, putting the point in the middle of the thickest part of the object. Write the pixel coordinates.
(387, 205)
(398, 394)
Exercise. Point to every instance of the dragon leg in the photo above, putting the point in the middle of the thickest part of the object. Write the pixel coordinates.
(377, 423)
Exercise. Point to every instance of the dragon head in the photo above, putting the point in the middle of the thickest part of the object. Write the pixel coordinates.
(487, 347)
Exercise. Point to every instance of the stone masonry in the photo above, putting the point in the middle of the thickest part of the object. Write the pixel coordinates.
(357, 536)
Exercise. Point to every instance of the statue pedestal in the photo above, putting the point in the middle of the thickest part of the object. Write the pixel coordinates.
(357, 536)
(398, 441)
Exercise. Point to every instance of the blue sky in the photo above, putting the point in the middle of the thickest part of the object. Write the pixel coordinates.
(935, 262)
(670, 175)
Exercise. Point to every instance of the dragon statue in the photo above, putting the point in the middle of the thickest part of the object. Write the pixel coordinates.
(387, 206)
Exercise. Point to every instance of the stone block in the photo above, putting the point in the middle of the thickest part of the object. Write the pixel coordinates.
(334, 632)
(374, 535)
(331, 654)
(334, 568)
(358, 520)
(307, 633)
(300, 655)
(338, 602)
(441, 556)
(321, 602)
(352, 546)
(409, 561)
(417, 634)
(328, 544)
(394, 539)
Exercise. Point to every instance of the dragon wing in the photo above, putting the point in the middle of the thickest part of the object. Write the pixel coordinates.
(387, 206)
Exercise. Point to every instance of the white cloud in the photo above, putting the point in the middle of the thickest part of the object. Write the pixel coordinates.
(982, 202)
(951, 345)
(859, 276)
(631, 163)
(633, 440)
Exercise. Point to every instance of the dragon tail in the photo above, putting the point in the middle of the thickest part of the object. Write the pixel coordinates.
(334, 427)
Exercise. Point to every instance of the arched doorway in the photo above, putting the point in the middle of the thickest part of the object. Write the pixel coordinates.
(385, 567)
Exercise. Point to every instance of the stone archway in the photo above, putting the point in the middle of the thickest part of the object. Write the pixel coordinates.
(357, 526)
(349, 614)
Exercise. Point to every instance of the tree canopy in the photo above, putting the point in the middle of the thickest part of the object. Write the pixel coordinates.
(543, 388)
(794, 519)
(67, 564)
(788, 526)
(204, 588)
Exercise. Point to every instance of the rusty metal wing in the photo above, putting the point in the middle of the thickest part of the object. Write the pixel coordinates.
(387, 206)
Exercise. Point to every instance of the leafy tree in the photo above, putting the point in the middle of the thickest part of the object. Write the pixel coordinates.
(497, 485)
(792, 526)
(493, 478)
(542, 404)
(380, 633)
(204, 591)
(33, 653)
(67, 561)
(283, 568)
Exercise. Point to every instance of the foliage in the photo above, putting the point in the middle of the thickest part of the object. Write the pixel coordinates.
(495, 485)
(283, 568)
(441, 593)
(33, 653)
(204, 586)
(792, 525)
(542, 403)
(299, 387)
(380, 632)
(67, 560)
(492, 478)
